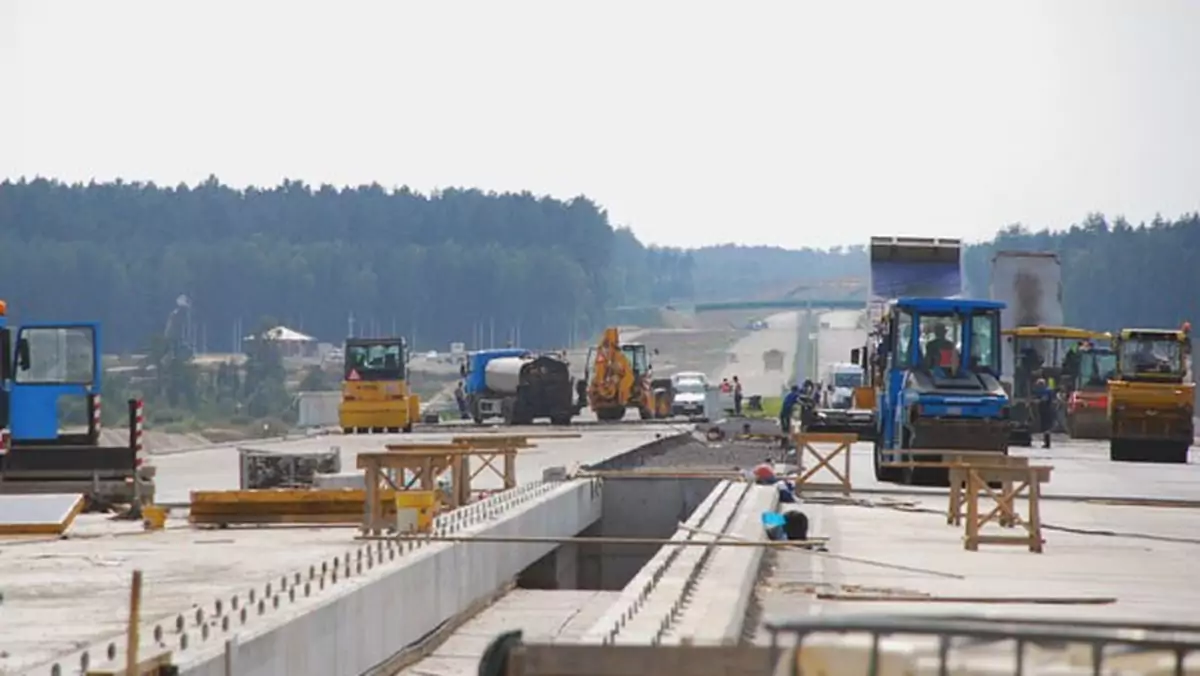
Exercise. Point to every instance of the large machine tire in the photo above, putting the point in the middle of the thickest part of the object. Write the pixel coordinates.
(884, 474)
(561, 420)
(646, 413)
(610, 414)
(408, 428)
(1122, 450)
(1020, 437)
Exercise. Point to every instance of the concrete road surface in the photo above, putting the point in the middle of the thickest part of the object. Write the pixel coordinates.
(835, 342)
(780, 334)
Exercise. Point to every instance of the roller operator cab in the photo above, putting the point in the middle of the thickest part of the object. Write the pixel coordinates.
(939, 362)
(1052, 354)
(1151, 396)
(375, 393)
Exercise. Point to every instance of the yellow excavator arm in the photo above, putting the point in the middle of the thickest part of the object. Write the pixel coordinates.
(612, 375)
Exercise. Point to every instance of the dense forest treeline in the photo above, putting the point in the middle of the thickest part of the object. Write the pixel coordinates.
(461, 263)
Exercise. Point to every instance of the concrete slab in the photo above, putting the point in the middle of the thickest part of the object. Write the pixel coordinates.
(217, 468)
(543, 617)
(63, 594)
(1142, 556)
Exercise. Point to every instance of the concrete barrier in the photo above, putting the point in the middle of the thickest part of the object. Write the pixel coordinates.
(637, 616)
(349, 615)
(724, 589)
(699, 592)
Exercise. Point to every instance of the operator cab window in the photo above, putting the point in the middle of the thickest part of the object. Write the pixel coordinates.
(636, 354)
(376, 361)
(985, 343)
(941, 337)
(57, 356)
(1151, 355)
(903, 338)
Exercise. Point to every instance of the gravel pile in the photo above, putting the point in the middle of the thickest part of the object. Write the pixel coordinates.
(697, 454)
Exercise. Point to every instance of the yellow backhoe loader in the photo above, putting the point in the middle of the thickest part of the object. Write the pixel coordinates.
(618, 378)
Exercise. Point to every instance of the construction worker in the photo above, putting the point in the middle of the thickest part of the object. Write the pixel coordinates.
(737, 396)
(1045, 398)
(939, 351)
(785, 413)
(460, 398)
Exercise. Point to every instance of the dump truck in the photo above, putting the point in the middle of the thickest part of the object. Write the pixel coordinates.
(519, 388)
(1029, 283)
(1051, 353)
(42, 365)
(1151, 397)
(1087, 403)
(618, 378)
(933, 358)
(375, 394)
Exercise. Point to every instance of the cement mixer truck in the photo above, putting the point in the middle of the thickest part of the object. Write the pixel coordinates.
(518, 387)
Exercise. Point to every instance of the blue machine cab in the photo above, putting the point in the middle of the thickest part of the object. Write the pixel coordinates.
(40, 365)
(938, 363)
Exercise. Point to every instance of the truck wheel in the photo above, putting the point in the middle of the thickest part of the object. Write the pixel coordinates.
(561, 420)
(408, 428)
(646, 414)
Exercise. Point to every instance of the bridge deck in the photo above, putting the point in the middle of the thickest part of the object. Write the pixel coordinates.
(1141, 556)
(61, 595)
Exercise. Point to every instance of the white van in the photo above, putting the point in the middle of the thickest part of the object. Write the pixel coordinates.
(843, 378)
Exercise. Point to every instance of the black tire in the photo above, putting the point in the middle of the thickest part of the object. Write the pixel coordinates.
(560, 420)
(393, 430)
(347, 430)
(884, 474)
(1121, 450)
(610, 414)
(408, 428)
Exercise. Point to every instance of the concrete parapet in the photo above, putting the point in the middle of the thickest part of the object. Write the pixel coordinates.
(716, 610)
(661, 594)
(346, 616)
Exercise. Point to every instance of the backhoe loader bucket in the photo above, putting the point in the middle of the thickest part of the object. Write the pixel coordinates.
(915, 267)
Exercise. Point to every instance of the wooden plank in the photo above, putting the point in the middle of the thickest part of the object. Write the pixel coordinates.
(594, 660)
(824, 438)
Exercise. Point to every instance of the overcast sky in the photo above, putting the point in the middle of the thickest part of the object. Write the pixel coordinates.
(790, 123)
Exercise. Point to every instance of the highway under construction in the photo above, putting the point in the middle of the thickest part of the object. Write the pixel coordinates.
(624, 547)
(623, 555)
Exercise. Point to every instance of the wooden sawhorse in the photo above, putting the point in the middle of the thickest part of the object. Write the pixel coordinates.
(379, 468)
(983, 462)
(487, 447)
(1015, 480)
(804, 444)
